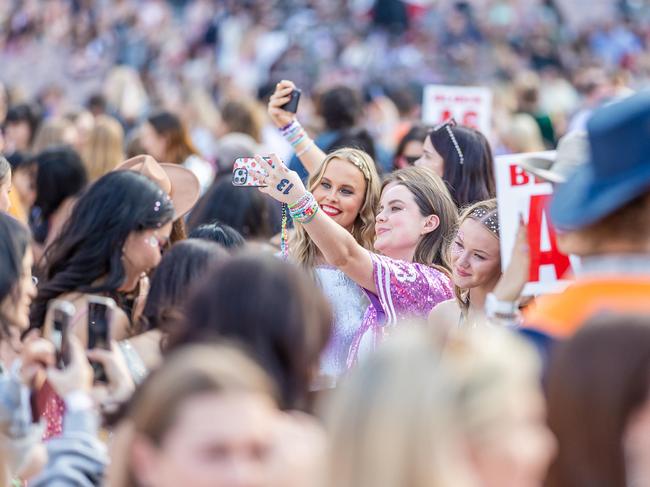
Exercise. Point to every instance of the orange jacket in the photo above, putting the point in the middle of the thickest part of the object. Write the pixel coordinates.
(561, 315)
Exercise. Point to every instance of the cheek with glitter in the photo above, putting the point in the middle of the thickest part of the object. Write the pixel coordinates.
(152, 241)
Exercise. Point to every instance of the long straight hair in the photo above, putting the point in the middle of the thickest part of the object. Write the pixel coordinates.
(304, 249)
(433, 198)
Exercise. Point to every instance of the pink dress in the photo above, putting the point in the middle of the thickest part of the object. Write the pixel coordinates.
(404, 289)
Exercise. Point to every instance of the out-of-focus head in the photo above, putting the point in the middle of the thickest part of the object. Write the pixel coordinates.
(16, 287)
(500, 406)
(226, 236)
(601, 376)
(205, 418)
(20, 126)
(60, 174)
(341, 107)
(409, 149)
(55, 132)
(104, 147)
(244, 209)
(391, 420)
(243, 299)
(184, 264)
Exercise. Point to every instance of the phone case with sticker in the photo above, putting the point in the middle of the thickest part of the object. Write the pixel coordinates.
(244, 172)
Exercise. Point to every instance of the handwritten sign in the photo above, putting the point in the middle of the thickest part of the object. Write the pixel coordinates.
(521, 194)
(468, 105)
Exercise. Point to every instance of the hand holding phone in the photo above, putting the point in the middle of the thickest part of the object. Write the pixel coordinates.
(245, 171)
(292, 104)
(62, 314)
(100, 311)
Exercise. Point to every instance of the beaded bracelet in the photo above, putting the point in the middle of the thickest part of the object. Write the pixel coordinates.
(294, 133)
(304, 210)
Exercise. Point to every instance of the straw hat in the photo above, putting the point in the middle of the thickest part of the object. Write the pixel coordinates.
(179, 183)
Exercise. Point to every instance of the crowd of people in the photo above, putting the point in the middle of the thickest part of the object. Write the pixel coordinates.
(201, 284)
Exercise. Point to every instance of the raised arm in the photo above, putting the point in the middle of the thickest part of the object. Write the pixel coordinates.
(306, 150)
(336, 244)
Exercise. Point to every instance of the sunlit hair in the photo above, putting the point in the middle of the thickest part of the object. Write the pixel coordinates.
(52, 132)
(484, 212)
(489, 368)
(304, 250)
(432, 197)
(104, 149)
(391, 421)
(193, 371)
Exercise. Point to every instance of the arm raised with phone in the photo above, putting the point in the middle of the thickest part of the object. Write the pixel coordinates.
(279, 109)
(337, 245)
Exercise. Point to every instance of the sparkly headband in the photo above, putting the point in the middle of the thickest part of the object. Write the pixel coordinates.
(354, 159)
(447, 126)
(492, 220)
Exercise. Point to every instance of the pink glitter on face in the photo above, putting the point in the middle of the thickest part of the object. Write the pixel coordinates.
(404, 289)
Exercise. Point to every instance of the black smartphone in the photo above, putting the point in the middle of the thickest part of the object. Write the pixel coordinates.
(62, 314)
(100, 311)
(292, 104)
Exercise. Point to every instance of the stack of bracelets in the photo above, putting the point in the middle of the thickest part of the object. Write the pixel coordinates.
(296, 135)
(304, 210)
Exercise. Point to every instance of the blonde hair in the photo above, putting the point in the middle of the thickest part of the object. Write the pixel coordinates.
(104, 149)
(487, 365)
(194, 370)
(433, 198)
(391, 421)
(52, 132)
(488, 211)
(363, 229)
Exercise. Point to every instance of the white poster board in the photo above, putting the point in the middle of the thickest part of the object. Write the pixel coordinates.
(468, 105)
(521, 194)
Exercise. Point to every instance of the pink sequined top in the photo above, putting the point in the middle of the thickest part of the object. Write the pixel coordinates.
(404, 289)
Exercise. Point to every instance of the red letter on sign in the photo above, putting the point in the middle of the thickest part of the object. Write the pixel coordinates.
(518, 177)
(469, 120)
(538, 257)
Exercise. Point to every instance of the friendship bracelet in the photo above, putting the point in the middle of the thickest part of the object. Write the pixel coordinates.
(304, 210)
(305, 149)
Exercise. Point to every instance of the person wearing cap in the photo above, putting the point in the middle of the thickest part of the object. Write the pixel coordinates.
(605, 204)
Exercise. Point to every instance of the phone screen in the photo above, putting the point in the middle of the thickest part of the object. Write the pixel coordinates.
(62, 314)
(61, 323)
(99, 315)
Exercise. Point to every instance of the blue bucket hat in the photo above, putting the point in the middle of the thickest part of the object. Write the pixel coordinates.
(618, 170)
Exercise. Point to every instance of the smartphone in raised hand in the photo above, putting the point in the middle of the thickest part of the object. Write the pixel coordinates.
(244, 172)
(62, 314)
(100, 313)
(292, 104)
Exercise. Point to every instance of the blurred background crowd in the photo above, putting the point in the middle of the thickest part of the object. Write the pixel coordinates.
(212, 62)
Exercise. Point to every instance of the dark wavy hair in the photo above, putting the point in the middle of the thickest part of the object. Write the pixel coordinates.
(473, 180)
(182, 265)
(90, 244)
(14, 241)
(271, 308)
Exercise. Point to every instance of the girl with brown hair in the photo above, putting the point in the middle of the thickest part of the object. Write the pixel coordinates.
(408, 275)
